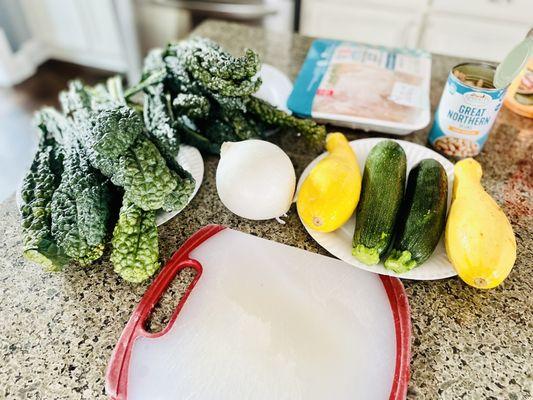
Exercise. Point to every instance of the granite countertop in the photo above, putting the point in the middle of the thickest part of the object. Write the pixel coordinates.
(57, 331)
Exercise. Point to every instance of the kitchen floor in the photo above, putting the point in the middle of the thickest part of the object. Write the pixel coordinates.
(18, 137)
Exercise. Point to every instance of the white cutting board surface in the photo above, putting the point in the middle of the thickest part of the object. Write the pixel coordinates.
(270, 322)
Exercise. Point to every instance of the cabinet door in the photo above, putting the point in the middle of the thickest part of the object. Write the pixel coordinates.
(363, 24)
(469, 37)
(63, 25)
(511, 10)
(82, 31)
(403, 4)
(103, 34)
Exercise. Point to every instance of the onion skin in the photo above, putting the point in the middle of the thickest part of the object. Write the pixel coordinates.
(255, 179)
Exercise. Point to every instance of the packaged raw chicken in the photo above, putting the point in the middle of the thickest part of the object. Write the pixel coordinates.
(364, 86)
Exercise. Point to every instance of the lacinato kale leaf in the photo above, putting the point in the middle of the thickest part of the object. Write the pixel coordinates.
(193, 105)
(210, 56)
(37, 190)
(135, 251)
(113, 131)
(144, 175)
(272, 116)
(111, 134)
(80, 204)
(211, 93)
(159, 122)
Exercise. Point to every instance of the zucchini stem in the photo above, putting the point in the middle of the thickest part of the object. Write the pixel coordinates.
(368, 256)
(400, 261)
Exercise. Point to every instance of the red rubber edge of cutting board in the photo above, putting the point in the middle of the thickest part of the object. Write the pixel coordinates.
(117, 370)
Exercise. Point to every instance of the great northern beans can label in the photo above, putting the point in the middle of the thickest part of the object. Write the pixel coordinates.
(467, 110)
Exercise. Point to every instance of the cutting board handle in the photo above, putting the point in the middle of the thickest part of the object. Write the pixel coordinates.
(117, 369)
(159, 287)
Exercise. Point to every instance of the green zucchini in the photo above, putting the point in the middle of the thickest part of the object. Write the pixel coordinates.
(381, 197)
(422, 218)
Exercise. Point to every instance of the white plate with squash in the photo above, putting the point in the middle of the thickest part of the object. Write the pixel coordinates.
(339, 241)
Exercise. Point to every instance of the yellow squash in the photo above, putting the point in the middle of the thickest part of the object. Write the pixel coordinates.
(479, 239)
(330, 193)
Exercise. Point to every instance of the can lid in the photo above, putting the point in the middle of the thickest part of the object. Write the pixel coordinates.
(513, 63)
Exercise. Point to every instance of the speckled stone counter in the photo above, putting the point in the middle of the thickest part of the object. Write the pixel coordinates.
(57, 331)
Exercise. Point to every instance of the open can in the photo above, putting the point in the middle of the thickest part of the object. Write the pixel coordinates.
(467, 110)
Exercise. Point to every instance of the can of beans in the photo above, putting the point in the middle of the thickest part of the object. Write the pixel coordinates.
(467, 110)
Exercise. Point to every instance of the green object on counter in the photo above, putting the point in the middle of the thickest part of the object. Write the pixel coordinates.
(80, 204)
(422, 217)
(208, 96)
(37, 190)
(135, 244)
(513, 63)
(381, 196)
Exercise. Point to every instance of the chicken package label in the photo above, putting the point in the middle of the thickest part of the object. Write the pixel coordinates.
(364, 86)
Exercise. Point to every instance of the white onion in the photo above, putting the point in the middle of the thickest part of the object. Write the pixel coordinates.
(255, 179)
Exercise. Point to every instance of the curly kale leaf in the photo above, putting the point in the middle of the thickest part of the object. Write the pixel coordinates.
(243, 126)
(37, 190)
(105, 127)
(135, 244)
(232, 110)
(178, 198)
(113, 131)
(223, 86)
(210, 56)
(192, 105)
(231, 105)
(144, 175)
(159, 122)
(191, 135)
(217, 70)
(80, 205)
(154, 72)
(270, 115)
(178, 80)
(162, 129)
(129, 158)
(77, 221)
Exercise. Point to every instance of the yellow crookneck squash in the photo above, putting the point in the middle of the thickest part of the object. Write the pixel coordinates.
(330, 193)
(479, 239)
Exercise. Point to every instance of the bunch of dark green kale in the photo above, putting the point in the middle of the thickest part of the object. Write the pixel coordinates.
(102, 147)
(95, 151)
(199, 94)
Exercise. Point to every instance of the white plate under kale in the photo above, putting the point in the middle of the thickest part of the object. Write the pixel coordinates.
(191, 160)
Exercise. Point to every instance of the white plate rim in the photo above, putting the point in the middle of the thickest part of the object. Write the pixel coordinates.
(423, 272)
(189, 158)
(276, 81)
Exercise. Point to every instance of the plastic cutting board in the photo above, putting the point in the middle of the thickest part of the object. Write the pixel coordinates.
(265, 321)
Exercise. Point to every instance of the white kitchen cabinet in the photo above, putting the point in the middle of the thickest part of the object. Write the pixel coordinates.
(106, 38)
(368, 24)
(96, 33)
(509, 10)
(66, 24)
(483, 29)
(471, 38)
(391, 4)
(20, 53)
